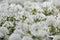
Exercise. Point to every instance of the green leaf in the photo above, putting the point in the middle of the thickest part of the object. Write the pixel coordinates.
(24, 18)
(28, 32)
(52, 29)
(34, 11)
(37, 37)
(11, 19)
(11, 30)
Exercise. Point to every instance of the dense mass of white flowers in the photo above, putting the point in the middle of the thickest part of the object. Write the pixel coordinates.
(29, 20)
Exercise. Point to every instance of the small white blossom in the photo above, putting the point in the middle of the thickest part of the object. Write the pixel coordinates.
(15, 37)
(27, 38)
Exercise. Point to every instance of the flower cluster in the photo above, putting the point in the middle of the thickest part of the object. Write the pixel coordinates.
(29, 20)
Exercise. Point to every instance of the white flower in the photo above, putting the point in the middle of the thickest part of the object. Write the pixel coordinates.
(39, 16)
(50, 20)
(29, 20)
(47, 4)
(58, 18)
(1, 35)
(4, 30)
(22, 29)
(37, 30)
(57, 24)
(27, 38)
(57, 37)
(57, 3)
(32, 5)
(8, 24)
(20, 32)
(15, 37)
